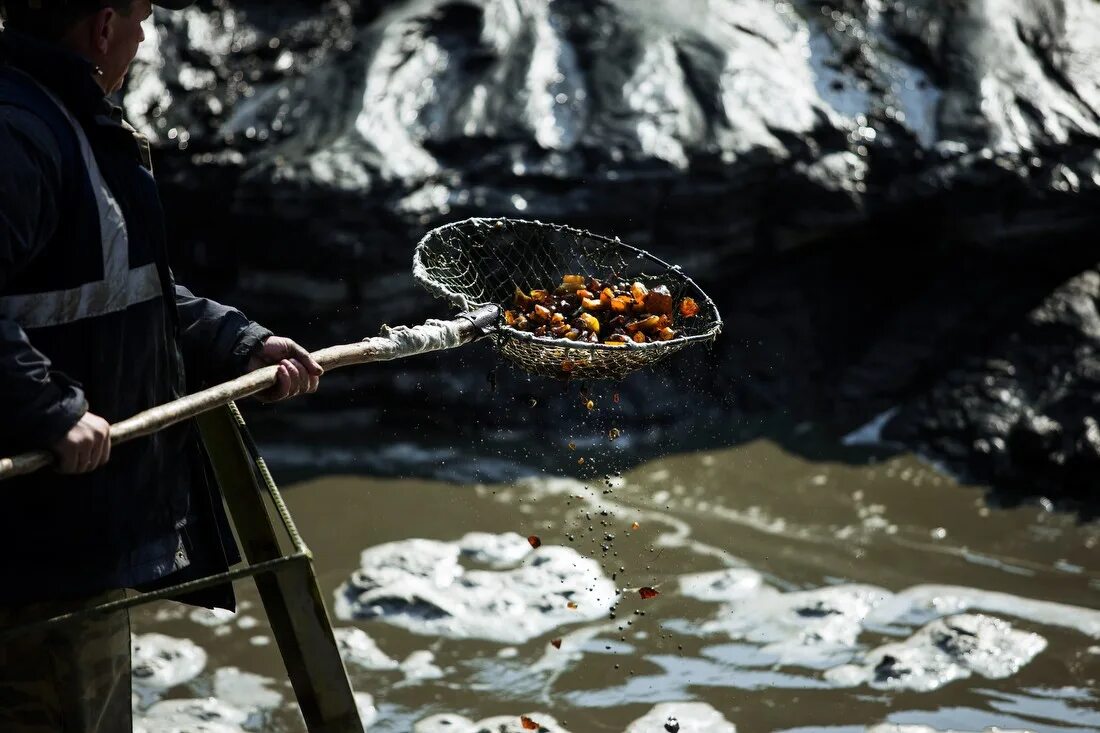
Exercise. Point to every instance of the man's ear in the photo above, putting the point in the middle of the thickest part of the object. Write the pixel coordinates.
(101, 29)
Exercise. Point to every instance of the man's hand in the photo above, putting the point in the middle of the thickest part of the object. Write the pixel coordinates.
(86, 447)
(298, 372)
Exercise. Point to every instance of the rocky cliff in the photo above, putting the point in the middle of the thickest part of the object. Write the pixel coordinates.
(893, 203)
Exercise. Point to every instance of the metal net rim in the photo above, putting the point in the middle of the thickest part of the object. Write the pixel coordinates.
(460, 300)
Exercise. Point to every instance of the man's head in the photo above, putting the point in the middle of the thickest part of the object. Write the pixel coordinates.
(106, 32)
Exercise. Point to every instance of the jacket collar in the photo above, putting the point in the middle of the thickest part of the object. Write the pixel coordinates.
(65, 73)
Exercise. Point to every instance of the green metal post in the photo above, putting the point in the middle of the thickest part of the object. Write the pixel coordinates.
(290, 594)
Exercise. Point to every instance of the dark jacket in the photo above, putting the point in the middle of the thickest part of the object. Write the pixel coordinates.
(90, 318)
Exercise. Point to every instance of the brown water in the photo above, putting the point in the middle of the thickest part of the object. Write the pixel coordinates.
(799, 524)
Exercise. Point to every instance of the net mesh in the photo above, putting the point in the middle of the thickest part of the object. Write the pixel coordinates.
(481, 262)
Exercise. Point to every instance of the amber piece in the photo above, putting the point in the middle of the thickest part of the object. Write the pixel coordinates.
(635, 525)
(590, 405)
(566, 366)
(639, 292)
(666, 334)
(659, 300)
(616, 344)
(540, 294)
(688, 307)
(584, 294)
(541, 313)
(571, 605)
(615, 398)
(580, 461)
(557, 318)
(572, 334)
(572, 280)
(534, 541)
(617, 338)
(648, 323)
(646, 593)
(521, 298)
(590, 322)
(613, 433)
(621, 304)
(607, 295)
(556, 643)
(521, 322)
(509, 318)
(639, 337)
(528, 724)
(592, 304)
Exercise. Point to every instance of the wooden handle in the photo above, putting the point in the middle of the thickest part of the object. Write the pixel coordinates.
(157, 418)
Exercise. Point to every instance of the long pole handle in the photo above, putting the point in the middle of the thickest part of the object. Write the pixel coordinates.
(394, 344)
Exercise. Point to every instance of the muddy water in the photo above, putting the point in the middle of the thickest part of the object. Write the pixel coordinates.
(792, 595)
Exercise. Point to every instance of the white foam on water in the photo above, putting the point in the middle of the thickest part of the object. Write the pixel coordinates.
(448, 723)
(939, 600)
(357, 648)
(721, 585)
(682, 717)
(211, 617)
(420, 665)
(245, 690)
(208, 715)
(814, 628)
(421, 586)
(945, 650)
(368, 713)
(160, 662)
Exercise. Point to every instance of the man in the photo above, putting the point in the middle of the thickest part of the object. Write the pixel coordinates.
(93, 329)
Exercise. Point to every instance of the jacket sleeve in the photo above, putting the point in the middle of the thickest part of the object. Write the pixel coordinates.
(217, 340)
(38, 405)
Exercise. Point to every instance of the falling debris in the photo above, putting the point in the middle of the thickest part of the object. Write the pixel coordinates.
(566, 366)
(614, 433)
(615, 398)
(572, 446)
(646, 593)
(534, 541)
(572, 606)
(528, 724)
(556, 643)
(635, 525)
(590, 405)
(580, 461)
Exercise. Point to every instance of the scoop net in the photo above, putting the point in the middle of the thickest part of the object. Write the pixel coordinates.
(479, 262)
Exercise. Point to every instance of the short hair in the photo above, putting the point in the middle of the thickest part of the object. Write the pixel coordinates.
(50, 20)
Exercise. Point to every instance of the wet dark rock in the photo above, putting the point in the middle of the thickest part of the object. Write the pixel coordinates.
(881, 197)
(1026, 407)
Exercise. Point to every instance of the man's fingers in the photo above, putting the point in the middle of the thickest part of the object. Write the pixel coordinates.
(102, 450)
(281, 387)
(68, 462)
(83, 461)
(306, 360)
(297, 376)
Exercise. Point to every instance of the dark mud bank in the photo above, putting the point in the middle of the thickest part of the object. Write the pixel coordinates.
(892, 203)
